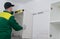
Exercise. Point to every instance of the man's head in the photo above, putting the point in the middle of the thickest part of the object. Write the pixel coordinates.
(8, 6)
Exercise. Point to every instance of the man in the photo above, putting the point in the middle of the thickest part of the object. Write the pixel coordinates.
(7, 22)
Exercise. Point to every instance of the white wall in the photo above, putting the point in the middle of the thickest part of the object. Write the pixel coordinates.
(1, 4)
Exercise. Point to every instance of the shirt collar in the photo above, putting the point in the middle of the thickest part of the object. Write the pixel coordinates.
(8, 12)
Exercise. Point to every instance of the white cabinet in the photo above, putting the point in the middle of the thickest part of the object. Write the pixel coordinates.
(23, 20)
(55, 21)
(19, 19)
(41, 26)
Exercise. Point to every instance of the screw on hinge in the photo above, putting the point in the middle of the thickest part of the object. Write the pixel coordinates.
(51, 8)
(50, 35)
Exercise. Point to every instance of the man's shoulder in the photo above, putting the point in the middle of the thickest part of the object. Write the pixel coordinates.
(5, 15)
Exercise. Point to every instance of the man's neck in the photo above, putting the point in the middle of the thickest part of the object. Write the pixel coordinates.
(8, 10)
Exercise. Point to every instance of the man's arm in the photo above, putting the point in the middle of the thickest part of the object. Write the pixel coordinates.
(14, 24)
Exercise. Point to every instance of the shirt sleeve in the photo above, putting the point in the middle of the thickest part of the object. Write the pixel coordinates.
(14, 24)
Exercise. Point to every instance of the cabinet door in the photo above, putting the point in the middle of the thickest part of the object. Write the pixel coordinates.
(41, 26)
(26, 21)
(18, 34)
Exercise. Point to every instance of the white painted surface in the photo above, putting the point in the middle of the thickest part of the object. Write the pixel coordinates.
(55, 13)
(33, 6)
(55, 31)
(55, 21)
(41, 26)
